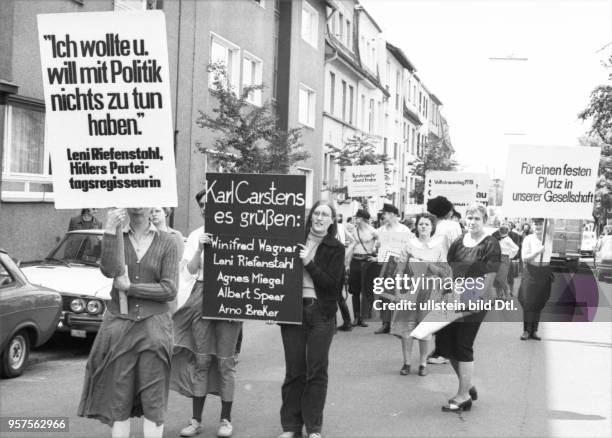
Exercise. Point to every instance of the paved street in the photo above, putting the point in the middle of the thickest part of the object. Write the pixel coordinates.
(558, 387)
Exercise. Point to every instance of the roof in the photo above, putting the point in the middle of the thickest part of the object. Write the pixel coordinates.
(435, 99)
(401, 57)
(359, 7)
(350, 59)
(408, 113)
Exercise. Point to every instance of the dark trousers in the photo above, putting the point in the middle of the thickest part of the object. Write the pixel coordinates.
(344, 311)
(436, 351)
(306, 360)
(361, 279)
(531, 321)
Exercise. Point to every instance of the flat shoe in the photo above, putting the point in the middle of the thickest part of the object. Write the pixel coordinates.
(524, 336)
(423, 371)
(405, 370)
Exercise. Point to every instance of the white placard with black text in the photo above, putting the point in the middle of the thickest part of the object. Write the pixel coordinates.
(108, 109)
(367, 180)
(550, 181)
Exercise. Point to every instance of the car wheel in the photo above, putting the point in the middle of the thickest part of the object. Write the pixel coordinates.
(15, 355)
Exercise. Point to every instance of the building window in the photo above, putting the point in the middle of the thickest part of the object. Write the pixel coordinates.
(252, 69)
(26, 153)
(26, 169)
(310, 24)
(395, 150)
(307, 103)
(349, 36)
(344, 101)
(397, 90)
(371, 116)
(351, 103)
(385, 145)
(340, 34)
(363, 111)
(276, 30)
(326, 168)
(332, 91)
(227, 54)
(309, 182)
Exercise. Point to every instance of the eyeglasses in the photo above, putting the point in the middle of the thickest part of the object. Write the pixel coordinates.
(321, 214)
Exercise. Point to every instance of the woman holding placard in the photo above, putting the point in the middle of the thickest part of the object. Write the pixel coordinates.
(204, 352)
(128, 370)
(307, 345)
(474, 258)
(426, 259)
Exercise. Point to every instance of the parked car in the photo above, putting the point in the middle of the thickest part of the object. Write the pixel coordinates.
(73, 269)
(603, 258)
(29, 316)
(589, 239)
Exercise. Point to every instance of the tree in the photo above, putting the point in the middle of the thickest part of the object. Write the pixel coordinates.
(358, 150)
(248, 139)
(437, 155)
(599, 112)
(603, 187)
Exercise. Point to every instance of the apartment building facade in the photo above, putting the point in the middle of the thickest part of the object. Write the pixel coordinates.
(286, 56)
(354, 92)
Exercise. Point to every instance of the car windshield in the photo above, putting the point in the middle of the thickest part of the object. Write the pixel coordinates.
(78, 248)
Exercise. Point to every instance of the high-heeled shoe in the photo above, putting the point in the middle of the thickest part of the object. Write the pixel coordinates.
(473, 393)
(455, 406)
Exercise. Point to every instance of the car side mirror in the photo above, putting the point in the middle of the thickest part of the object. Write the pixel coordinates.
(17, 262)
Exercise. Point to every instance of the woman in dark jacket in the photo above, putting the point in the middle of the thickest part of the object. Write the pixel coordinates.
(307, 345)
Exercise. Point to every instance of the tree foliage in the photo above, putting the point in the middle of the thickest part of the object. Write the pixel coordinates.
(437, 155)
(247, 137)
(599, 112)
(359, 150)
(603, 188)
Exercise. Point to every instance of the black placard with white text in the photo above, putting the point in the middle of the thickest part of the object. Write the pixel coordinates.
(251, 268)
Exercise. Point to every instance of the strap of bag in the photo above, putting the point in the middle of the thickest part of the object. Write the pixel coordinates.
(360, 241)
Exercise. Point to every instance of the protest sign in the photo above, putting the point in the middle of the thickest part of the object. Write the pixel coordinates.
(550, 182)
(368, 180)
(252, 269)
(461, 188)
(392, 243)
(108, 109)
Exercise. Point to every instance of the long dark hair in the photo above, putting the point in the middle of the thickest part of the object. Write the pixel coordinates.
(333, 228)
(431, 218)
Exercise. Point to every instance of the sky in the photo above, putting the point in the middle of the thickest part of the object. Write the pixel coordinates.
(488, 102)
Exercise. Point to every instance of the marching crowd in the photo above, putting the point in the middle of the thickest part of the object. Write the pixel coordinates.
(149, 346)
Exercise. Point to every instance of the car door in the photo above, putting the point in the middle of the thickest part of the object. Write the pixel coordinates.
(12, 302)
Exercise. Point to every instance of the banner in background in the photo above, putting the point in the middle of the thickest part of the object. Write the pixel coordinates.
(461, 188)
(368, 180)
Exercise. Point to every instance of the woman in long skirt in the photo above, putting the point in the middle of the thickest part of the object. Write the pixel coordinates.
(204, 359)
(128, 370)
